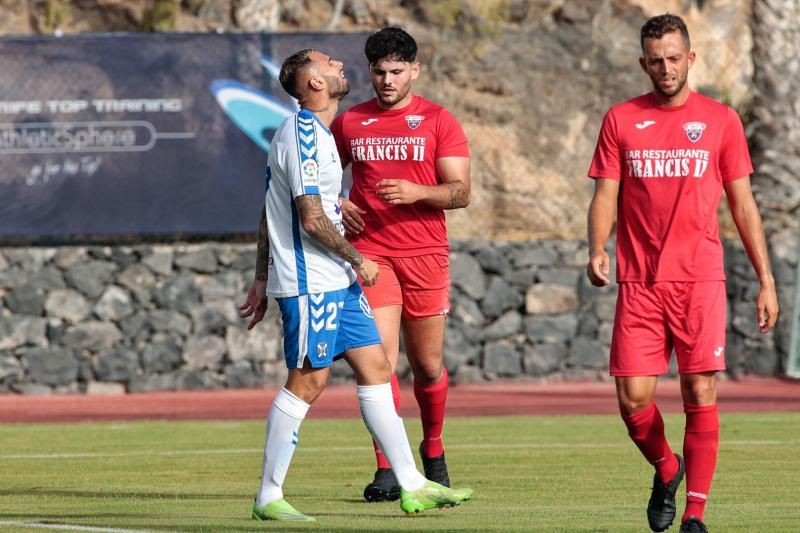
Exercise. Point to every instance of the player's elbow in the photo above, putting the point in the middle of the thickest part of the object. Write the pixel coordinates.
(460, 203)
(460, 196)
(744, 211)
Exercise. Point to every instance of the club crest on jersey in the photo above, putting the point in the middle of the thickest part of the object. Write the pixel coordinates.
(322, 350)
(414, 121)
(694, 130)
(310, 172)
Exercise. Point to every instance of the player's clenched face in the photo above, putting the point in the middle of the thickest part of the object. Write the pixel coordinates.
(332, 71)
(667, 61)
(391, 81)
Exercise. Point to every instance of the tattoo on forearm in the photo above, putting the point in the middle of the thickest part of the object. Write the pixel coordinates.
(458, 196)
(262, 248)
(320, 227)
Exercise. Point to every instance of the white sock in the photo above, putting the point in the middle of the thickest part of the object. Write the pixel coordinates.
(377, 409)
(283, 423)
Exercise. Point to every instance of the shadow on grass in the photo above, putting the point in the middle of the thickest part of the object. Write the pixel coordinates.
(164, 523)
(74, 493)
(389, 514)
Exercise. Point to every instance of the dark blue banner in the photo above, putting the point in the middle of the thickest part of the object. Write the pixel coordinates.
(145, 134)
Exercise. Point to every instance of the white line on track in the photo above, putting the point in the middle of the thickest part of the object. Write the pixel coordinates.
(69, 527)
(323, 449)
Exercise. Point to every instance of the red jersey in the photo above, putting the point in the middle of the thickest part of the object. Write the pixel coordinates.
(672, 162)
(402, 144)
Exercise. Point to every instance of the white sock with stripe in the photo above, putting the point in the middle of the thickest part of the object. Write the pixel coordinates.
(377, 409)
(283, 423)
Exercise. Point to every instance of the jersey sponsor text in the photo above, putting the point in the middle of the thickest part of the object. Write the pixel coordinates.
(388, 148)
(679, 163)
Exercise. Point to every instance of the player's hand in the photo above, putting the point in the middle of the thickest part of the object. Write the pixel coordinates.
(351, 216)
(598, 268)
(256, 303)
(399, 192)
(368, 272)
(767, 306)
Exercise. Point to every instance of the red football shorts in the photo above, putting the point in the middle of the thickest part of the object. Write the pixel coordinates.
(652, 319)
(421, 284)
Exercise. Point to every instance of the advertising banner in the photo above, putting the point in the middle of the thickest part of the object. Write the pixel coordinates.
(126, 135)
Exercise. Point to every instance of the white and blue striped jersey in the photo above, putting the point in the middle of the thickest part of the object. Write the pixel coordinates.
(303, 159)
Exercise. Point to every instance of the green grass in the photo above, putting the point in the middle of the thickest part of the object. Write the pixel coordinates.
(560, 473)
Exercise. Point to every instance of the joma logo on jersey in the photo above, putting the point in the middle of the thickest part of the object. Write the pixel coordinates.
(414, 121)
(694, 130)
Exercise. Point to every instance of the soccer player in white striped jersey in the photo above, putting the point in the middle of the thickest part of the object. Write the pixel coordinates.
(325, 313)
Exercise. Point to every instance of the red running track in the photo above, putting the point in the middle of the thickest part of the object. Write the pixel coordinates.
(339, 401)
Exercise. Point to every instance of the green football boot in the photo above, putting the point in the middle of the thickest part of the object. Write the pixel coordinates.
(280, 510)
(431, 496)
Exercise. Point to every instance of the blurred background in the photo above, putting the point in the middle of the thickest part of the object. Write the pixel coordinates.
(133, 138)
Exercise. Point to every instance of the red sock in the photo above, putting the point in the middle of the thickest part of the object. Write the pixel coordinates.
(700, 444)
(379, 457)
(431, 400)
(646, 429)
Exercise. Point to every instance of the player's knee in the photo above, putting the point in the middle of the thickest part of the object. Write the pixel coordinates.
(382, 368)
(307, 387)
(312, 391)
(370, 365)
(632, 405)
(699, 391)
(428, 375)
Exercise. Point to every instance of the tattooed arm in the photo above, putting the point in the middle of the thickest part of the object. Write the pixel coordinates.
(452, 193)
(256, 303)
(317, 224)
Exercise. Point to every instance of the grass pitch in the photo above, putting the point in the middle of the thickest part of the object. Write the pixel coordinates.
(532, 473)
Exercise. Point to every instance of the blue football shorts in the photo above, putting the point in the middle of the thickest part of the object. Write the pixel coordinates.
(321, 327)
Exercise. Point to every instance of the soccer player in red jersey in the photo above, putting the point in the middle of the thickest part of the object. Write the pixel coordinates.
(662, 160)
(410, 162)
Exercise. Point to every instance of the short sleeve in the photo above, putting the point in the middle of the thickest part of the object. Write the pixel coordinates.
(302, 166)
(734, 155)
(337, 129)
(606, 162)
(451, 141)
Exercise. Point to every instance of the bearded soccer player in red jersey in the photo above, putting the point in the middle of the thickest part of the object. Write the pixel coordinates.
(410, 162)
(663, 159)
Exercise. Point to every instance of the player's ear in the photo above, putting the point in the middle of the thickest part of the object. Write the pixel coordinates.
(643, 64)
(316, 83)
(692, 56)
(415, 71)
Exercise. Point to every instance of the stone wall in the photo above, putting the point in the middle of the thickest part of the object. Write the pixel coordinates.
(529, 80)
(164, 317)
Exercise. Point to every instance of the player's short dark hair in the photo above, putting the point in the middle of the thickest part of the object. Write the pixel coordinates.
(291, 66)
(658, 26)
(391, 43)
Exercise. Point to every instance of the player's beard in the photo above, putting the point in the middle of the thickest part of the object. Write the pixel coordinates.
(339, 87)
(398, 95)
(680, 81)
